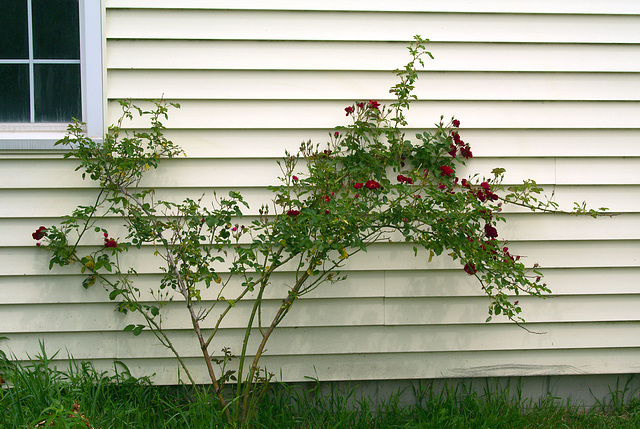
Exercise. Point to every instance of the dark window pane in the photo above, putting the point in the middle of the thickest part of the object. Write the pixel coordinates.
(14, 93)
(56, 33)
(57, 92)
(14, 41)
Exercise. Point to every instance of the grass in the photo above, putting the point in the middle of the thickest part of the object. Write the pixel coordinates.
(40, 395)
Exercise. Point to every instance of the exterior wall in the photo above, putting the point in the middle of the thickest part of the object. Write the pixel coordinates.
(548, 90)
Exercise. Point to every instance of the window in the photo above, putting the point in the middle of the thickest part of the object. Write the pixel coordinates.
(50, 70)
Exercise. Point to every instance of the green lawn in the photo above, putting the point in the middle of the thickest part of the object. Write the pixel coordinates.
(80, 397)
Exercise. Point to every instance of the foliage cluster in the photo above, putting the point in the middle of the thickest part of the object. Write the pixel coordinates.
(370, 183)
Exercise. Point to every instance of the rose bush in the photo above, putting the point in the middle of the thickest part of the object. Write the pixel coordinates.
(370, 183)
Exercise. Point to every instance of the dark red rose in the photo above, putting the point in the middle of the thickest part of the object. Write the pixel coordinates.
(294, 178)
(442, 186)
(465, 151)
(470, 268)
(372, 184)
(490, 231)
(456, 138)
(485, 186)
(40, 232)
(360, 105)
(456, 123)
(336, 134)
(453, 149)
(293, 213)
(404, 179)
(326, 198)
(358, 185)
(110, 242)
(349, 110)
(445, 170)
(373, 104)
(465, 184)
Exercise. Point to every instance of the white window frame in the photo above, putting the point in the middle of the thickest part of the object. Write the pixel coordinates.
(18, 136)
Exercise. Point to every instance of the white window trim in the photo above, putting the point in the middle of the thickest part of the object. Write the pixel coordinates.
(18, 136)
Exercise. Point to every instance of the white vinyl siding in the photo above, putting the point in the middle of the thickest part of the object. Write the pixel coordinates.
(548, 90)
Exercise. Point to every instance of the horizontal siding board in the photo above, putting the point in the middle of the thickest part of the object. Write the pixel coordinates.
(33, 203)
(478, 6)
(330, 312)
(418, 311)
(332, 85)
(67, 288)
(498, 143)
(52, 289)
(338, 26)
(327, 114)
(495, 143)
(352, 340)
(379, 257)
(104, 317)
(561, 281)
(394, 366)
(519, 227)
(216, 173)
(368, 56)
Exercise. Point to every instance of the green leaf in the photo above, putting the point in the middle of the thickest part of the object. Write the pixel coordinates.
(89, 281)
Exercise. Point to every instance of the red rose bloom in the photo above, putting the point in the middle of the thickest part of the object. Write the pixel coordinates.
(445, 170)
(404, 179)
(349, 110)
(40, 232)
(110, 242)
(358, 185)
(293, 213)
(294, 178)
(372, 184)
(456, 123)
(465, 151)
(360, 104)
(485, 186)
(456, 138)
(490, 231)
(373, 104)
(470, 268)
